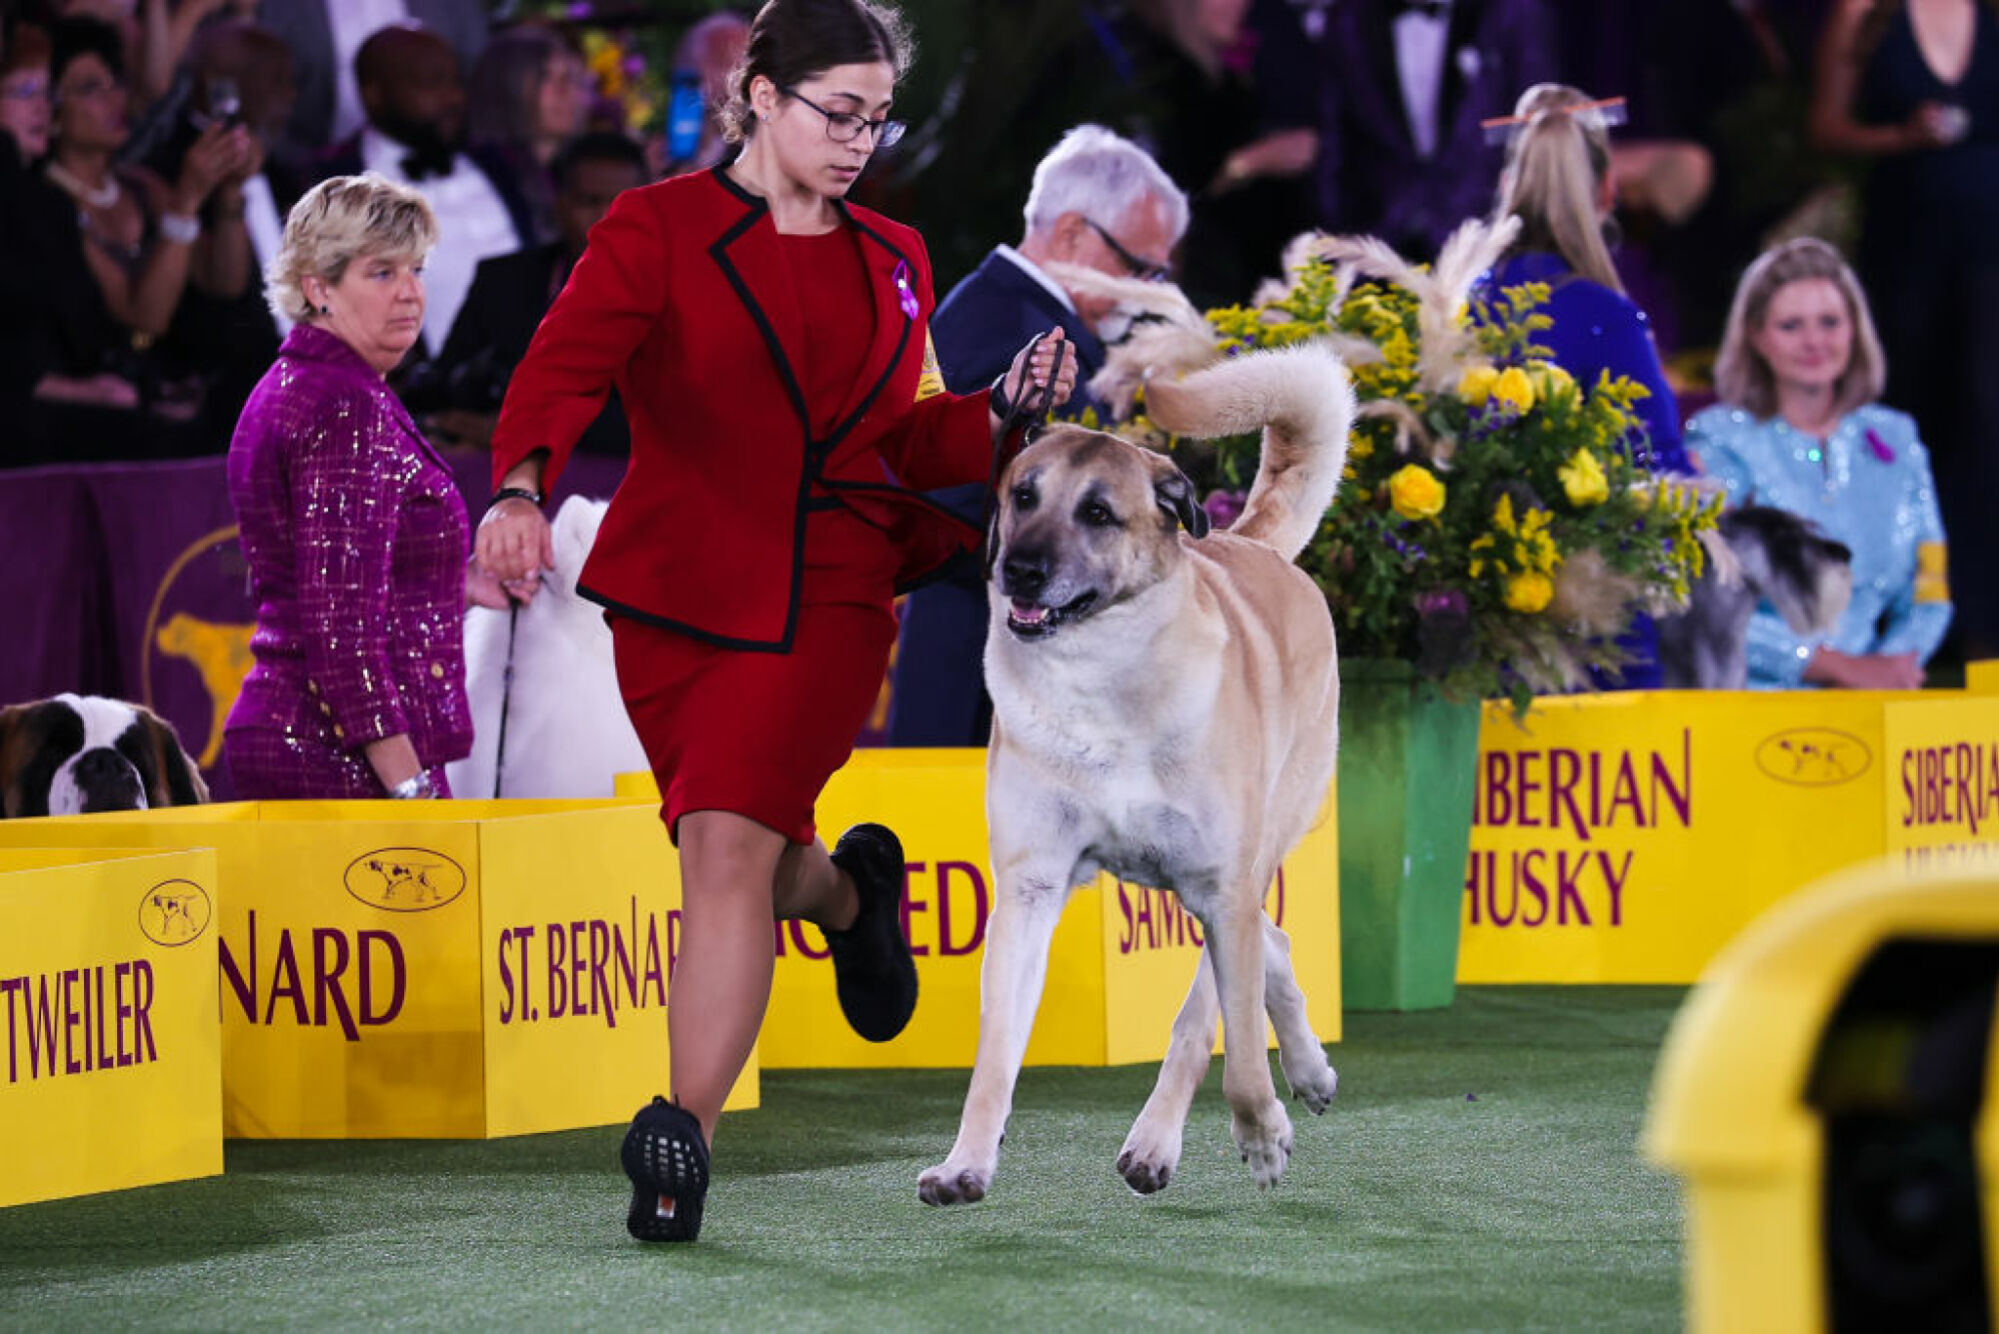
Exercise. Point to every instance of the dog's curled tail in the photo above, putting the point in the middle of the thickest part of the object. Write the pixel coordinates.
(1302, 398)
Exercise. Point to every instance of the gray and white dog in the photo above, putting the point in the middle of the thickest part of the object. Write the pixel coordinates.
(1784, 560)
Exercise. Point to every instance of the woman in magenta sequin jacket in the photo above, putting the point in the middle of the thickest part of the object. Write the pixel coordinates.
(353, 527)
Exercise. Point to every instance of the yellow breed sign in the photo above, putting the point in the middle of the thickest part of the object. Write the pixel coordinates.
(1626, 837)
(1942, 792)
(114, 1059)
(1121, 960)
(457, 969)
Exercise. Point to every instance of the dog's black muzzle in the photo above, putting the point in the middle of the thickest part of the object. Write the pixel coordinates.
(106, 781)
(1024, 583)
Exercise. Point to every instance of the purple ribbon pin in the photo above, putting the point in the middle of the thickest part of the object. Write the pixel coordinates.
(1882, 449)
(903, 293)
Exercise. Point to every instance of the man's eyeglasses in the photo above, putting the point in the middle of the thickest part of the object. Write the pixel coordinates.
(1139, 268)
(844, 127)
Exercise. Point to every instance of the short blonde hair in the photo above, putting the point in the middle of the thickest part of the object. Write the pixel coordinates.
(1741, 376)
(338, 221)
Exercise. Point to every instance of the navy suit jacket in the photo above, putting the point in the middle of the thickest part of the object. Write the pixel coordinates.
(985, 320)
(1370, 178)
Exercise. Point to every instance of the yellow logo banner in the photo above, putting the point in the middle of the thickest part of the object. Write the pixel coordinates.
(451, 969)
(1627, 837)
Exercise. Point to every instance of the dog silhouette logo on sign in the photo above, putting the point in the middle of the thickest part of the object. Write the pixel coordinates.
(174, 912)
(405, 879)
(1813, 757)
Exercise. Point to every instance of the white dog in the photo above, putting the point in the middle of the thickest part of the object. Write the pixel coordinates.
(566, 733)
(1165, 707)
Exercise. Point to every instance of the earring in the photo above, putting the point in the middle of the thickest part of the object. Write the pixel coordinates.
(326, 310)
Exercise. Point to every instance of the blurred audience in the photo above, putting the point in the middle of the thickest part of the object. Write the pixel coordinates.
(24, 94)
(415, 136)
(325, 36)
(462, 389)
(101, 253)
(1404, 85)
(1913, 87)
(238, 73)
(167, 32)
(1195, 106)
(707, 54)
(1798, 429)
(1098, 202)
(527, 97)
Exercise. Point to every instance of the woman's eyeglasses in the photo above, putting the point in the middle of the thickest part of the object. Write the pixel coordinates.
(843, 127)
(1139, 268)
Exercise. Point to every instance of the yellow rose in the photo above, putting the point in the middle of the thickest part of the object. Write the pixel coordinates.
(1415, 492)
(1583, 480)
(1552, 381)
(1514, 390)
(1476, 386)
(1529, 591)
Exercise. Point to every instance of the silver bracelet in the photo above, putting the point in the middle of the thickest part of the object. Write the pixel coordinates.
(184, 228)
(417, 787)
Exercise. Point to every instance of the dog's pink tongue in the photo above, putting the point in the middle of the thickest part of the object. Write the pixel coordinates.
(1028, 614)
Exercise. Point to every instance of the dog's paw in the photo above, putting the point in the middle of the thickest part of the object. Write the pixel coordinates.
(1265, 1143)
(1147, 1160)
(948, 1183)
(1317, 1083)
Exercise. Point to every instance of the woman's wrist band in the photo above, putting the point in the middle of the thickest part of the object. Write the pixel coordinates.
(528, 494)
(1002, 405)
(417, 787)
(182, 228)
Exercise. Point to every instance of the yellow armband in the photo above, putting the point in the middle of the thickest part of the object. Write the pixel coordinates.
(1932, 581)
(932, 382)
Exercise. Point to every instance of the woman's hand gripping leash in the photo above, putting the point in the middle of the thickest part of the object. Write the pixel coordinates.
(513, 546)
(1042, 377)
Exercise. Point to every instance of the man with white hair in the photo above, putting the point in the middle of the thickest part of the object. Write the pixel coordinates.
(1098, 202)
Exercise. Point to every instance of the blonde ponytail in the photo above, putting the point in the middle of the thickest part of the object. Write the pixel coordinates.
(1555, 167)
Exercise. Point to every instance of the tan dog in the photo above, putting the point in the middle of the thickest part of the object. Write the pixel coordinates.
(1165, 708)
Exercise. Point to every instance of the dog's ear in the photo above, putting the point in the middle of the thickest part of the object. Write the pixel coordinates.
(1175, 493)
(173, 775)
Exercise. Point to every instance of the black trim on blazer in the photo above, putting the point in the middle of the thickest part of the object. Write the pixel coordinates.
(589, 594)
(816, 450)
(720, 251)
(841, 430)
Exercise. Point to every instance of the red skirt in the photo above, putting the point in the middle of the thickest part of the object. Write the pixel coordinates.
(759, 734)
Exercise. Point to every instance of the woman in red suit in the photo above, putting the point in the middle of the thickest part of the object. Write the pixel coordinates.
(769, 343)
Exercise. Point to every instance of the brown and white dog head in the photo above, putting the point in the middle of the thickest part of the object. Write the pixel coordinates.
(78, 754)
(1085, 521)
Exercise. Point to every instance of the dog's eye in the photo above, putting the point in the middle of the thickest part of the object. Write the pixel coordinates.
(1096, 514)
(1023, 497)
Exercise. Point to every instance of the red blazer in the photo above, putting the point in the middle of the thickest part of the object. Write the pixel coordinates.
(682, 301)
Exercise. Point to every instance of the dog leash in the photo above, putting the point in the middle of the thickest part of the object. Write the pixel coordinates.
(506, 695)
(1028, 407)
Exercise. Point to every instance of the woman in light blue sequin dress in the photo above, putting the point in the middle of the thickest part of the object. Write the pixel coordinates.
(1797, 428)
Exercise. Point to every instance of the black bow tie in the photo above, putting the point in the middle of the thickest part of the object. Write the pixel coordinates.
(1429, 9)
(419, 167)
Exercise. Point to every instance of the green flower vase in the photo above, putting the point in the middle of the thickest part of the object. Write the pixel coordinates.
(1408, 761)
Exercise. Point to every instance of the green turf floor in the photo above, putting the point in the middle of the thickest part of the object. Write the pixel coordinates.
(1477, 1172)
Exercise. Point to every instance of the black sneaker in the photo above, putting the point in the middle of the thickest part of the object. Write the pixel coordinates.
(667, 1160)
(872, 969)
